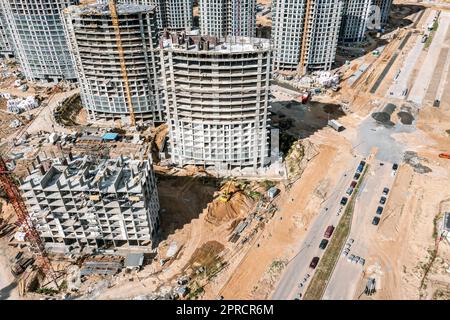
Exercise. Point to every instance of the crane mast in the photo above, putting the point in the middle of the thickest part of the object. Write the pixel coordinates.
(123, 66)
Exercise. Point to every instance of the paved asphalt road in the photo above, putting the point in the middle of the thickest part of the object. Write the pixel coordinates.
(343, 282)
(294, 274)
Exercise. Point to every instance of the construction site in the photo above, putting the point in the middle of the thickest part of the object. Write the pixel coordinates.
(93, 205)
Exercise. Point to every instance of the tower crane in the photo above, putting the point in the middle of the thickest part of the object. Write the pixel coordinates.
(123, 66)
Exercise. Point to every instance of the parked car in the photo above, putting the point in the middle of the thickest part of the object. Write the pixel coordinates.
(344, 201)
(329, 231)
(353, 184)
(345, 253)
(349, 191)
(375, 221)
(385, 191)
(362, 261)
(314, 262)
(323, 244)
(356, 176)
(383, 200)
(379, 210)
(351, 240)
(351, 257)
(395, 166)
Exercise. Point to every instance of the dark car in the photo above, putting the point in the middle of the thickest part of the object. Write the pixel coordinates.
(394, 166)
(356, 176)
(314, 262)
(375, 221)
(344, 201)
(385, 191)
(353, 184)
(379, 210)
(383, 200)
(323, 244)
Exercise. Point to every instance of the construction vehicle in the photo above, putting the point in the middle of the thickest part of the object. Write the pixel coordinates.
(227, 193)
(21, 265)
(123, 66)
(444, 155)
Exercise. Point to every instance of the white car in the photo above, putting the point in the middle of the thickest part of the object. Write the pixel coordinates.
(351, 257)
(344, 253)
(355, 260)
(350, 241)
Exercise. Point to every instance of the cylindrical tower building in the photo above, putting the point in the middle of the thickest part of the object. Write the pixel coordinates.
(173, 15)
(95, 49)
(217, 100)
(35, 29)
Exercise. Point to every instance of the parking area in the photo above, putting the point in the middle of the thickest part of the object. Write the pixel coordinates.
(369, 209)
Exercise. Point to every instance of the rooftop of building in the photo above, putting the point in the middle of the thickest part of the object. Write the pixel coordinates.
(180, 41)
(85, 173)
(99, 9)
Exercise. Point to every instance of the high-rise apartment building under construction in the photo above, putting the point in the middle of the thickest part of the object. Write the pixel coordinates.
(217, 100)
(36, 32)
(305, 34)
(173, 15)
(223, 18)
(97, 47)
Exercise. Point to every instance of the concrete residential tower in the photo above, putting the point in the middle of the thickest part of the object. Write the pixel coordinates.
(94, 46)
(6, 48)
(222, 18)
(173, 15)
(305, 34)
(93, 203)
(217, 100)
(385, 8)
(354, 20)
(38, 38)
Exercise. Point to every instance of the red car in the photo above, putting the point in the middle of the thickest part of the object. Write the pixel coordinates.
(314, 262)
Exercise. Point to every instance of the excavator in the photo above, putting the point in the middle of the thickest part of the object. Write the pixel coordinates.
(227, 193)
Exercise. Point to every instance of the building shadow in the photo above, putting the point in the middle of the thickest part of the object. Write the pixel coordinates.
(182, 199)
(299, 121)
(5, 292)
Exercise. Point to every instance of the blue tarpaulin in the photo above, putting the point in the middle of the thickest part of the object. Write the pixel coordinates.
(110, 136)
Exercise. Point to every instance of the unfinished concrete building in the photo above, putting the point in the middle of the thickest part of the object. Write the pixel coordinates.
(6, 49)
(354, 20)
(95, 49)
(222, 18)
(385, 9)
(305, 34)
(85, 203)
(38, 38)
(173, 15)
(217, 100)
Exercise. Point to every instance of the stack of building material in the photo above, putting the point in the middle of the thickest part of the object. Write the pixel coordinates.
(20, 105)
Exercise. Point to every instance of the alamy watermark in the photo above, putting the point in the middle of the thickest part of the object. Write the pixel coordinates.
(374, 18)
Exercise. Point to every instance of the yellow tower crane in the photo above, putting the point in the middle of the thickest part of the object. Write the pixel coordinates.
(123, 66)
(300, 68)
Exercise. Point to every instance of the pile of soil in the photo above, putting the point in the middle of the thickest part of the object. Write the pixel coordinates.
(236, 207)
(405, 118)
(384, 117)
